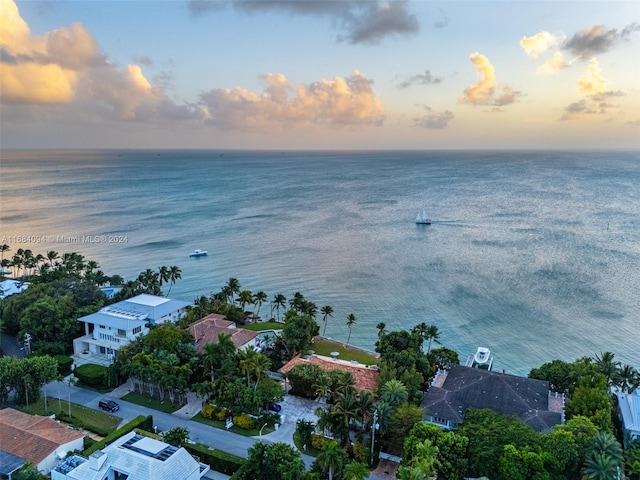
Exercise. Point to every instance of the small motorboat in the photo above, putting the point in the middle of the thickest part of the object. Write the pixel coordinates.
(198, 253)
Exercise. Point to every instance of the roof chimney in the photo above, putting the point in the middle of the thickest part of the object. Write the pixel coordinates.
(97, 459)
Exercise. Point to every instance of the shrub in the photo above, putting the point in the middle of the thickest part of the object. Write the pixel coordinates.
(243, 421)
(139, 422)
(221, 415)
(218, 460)
(91, 374)
(64, 364)
(361, 453)
(317, 441)
(207, 411)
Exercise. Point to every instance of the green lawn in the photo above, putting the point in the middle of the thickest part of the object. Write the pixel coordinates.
(234, 429)
(260, 326)
(323, 346)
(165, 406)
(81, 417)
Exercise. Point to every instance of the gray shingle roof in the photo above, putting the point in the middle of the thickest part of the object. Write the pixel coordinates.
(467, 387)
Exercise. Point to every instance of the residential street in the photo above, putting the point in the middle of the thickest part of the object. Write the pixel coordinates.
(292, 409)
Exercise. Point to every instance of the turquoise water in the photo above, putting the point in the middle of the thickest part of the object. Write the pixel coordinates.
(535, 255)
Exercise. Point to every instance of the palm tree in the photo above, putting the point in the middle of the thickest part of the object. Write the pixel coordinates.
(351, 321)
(322, 388)
(233, 287)
(310, 309)
(394, 393)
(51, 256)
(346, 410)
(245, 297)
(607, 366)
(599, 466)
(4, 248)
(355, 471)
(297, 301)
(326, 311)
(432, 333)
(381, 329)
(163, 274)
(607, 444)
(174, 274)
(330, 459)
(279, 301)
(365, 405)
(258, 299)
(216, 352)
(384, 416)
(627, 378)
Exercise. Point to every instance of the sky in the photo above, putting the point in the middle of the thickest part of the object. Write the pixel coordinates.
(320, 74)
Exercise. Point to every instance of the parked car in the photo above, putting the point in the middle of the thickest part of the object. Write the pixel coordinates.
(108, 405)
(274, 407)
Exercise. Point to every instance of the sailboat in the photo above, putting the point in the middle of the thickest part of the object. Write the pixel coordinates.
(422, 217)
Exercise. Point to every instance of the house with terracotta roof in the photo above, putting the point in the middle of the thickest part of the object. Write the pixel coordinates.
(133, 457)
(453, 392)
(36, 439)
(629, 412)
(365, 376)
(207, 329)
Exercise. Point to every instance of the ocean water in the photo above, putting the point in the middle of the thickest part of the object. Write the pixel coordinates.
(535, 255)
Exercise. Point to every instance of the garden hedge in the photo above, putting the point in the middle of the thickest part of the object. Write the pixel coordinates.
(139, 422)
(218, 460)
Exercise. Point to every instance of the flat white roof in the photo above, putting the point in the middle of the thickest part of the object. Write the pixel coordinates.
(148, 300)
(150, 445)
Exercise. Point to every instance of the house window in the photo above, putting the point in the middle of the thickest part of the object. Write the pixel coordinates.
(101, 326)
(122, 333)
(137, 330)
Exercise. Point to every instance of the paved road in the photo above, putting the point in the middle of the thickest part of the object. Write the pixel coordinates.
(293, 408)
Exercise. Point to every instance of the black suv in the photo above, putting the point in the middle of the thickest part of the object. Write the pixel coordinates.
(108, 405)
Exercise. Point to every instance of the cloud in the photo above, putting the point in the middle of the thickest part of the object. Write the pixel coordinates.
(552, 65)
(485, 92)
(539, 43)
(592, 82)
(367, 22)
(597, 39)
(66, 67)
(433, 120)
(341, 101)
(597, 99)
(426, 78)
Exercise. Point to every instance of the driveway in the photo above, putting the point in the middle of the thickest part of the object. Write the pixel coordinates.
(293, 408)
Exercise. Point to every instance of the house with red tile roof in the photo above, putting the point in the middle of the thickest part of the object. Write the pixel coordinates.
(39, 440)
(365, 376)
(207, 329)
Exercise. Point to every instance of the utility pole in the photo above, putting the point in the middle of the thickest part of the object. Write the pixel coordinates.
(27, 343)
(374, 426)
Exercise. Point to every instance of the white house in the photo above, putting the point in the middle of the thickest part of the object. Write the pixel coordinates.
(133, 457)
(36, 439)
(11, 287)
(629, 410)
(116, 325)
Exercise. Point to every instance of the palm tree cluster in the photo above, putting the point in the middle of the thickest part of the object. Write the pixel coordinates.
(151, 282)
(225, 366)
(619, 376)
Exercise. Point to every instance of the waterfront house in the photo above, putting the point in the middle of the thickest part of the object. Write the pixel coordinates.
(11, 287)
(365, 376)
(133, 457)
(38, 440)
(452, 392)
(629, 412)
(116, 325)
(207, 329)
